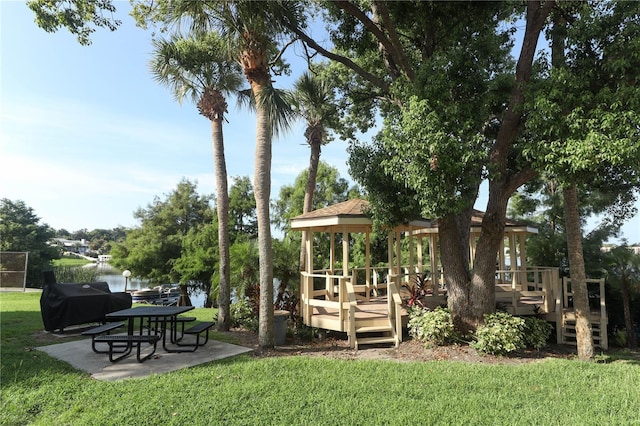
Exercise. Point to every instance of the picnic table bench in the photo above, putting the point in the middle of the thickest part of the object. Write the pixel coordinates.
(197, 331)
(100, 330)
(130, 340)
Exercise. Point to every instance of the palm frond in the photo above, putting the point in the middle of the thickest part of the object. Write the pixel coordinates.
(187, 66)
(278, 104)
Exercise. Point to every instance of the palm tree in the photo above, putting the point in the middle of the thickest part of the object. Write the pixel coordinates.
(314, 103)
(199, 68)
(584, 332)
(251, 30)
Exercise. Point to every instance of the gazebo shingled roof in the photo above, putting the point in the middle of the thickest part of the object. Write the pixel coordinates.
(476, 225)
(351, 213)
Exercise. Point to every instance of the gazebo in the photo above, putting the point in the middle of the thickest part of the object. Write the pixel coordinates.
(366, 301)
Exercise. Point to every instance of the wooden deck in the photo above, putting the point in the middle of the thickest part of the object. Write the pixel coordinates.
(363, 310)
(373, 312)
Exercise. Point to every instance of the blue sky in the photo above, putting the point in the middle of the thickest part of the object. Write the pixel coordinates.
(87, 137)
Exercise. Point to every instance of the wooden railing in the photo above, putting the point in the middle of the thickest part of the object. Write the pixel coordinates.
(351, 310)
(330, 296)
(395, 309)
(601, 316)
(513, 286)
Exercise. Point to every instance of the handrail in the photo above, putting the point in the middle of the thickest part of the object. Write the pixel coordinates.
(352, 303)
(394, 307)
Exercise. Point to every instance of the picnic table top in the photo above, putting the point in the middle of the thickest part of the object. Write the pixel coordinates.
(149, 311)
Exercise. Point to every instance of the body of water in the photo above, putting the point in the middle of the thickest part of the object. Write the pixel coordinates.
(116, 282)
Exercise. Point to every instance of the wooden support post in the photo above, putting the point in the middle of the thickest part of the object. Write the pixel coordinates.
(604, 343)
(345, 252)
(419, 249)
(367, 265)
(332, 255)
(501, 262)
(513, 259)
(435, 270)
(398, 254)
(412, 263)
(522, 251)
(390, 253)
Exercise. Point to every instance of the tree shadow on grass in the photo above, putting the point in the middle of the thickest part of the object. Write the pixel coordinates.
(20, 360)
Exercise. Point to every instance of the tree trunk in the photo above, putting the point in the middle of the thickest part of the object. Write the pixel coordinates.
(184, 299)
(578, 278)
(454, 249)
(222, 208)
(309, 192)
(628, 321)
(262, 193)
(483, 278)
(502, 182)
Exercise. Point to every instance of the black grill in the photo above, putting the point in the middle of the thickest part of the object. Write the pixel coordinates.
(65, 304)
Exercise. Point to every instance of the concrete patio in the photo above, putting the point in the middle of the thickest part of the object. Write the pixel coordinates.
(78, 353)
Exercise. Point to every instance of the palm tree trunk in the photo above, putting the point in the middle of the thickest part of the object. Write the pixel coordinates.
(262, 193)
(222, 208)
(578, 277)
(309, 192)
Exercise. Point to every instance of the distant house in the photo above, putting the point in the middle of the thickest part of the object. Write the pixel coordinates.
(73, 246)
(607, 248)
(104, 258)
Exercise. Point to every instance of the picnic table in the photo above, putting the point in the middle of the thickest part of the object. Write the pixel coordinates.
(158, 320)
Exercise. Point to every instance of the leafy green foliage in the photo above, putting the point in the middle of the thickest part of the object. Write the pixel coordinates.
(536, 332)
(330, 189)
(243, 315)
(74, 274)
(21, 230)
(242, 210)
(198, 261)
(434, 327)
(286, 253)
(245, 272)
(80, 17)
(584, 120)
(500, 334)
(151, 250)
(540, 204)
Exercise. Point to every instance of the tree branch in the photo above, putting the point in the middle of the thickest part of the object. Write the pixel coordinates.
(284, 48)
(536, 15)
(376, 81)
(397, 50)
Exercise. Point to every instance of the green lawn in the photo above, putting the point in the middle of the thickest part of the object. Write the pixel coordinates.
(37, 389)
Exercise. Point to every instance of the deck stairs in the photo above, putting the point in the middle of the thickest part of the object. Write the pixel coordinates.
(566, 317)
(598, 328)
(368, 333)
(378, 321)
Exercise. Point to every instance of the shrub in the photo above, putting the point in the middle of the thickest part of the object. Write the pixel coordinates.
(620, 337)
(433, 327)
(304, 332)
(242, 315)
(75, 274)
(500, 334)
(536, 332)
